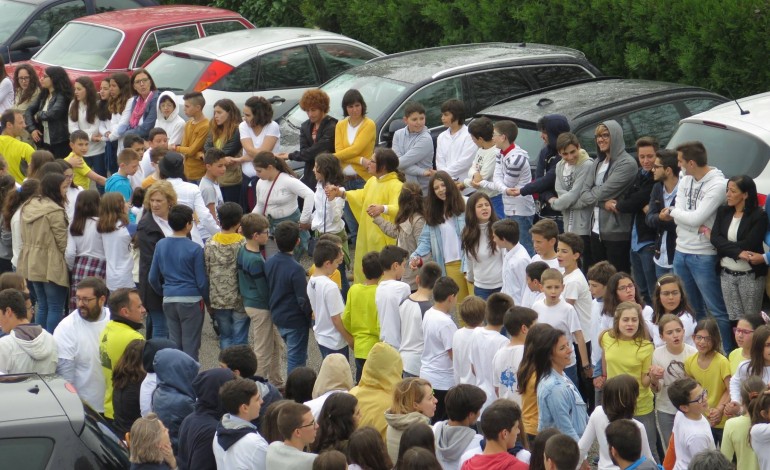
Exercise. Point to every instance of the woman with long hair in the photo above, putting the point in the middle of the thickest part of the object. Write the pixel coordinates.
(415, 436)
(26, 85)
(744, 334)
(143, 111)
(127, 377)
(444, 223)
(224, 135)
(150, 445)
(379, 196)
(117, 105)
(366, 449)
(337, 421)
(670, 298)
(484, 261)
(622, 288)
(259, 133)
(36, 162)
(84, 116)
(46, 117)
(413, 402)
(758, 365)
(73, 190)
(7, 92)
(113, 226)
(41, 261)
(534, 364)
(85, 250)
(7, 185)
(12, 214)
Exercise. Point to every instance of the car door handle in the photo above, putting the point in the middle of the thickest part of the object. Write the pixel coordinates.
(277, 99)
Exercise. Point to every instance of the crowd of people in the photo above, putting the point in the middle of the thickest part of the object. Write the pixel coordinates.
(495, 320)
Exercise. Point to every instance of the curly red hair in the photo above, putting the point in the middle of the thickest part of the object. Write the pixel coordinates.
(314, 99)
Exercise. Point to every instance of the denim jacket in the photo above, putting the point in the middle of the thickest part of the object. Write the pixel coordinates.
(561, 406)
(430, 242)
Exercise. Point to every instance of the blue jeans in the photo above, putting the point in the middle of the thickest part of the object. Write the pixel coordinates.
(660, 272)
(572, 373)
(643, 270)
(99, 165)
(498, 206)
(156, 327)
(326, 351)
(350, 219)
(704, 291)
(111, 157)
(525, 223)
(296, 346)
(485, 293)
(51, 299)
(233, 327)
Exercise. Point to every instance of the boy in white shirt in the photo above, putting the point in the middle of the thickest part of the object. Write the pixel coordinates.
(438, 328)
(157, 139)
(534, 290)
(214, 159)
(326, 301)
(454, 147)
(559, 314)
(471, 311)
(487, 341)
(691, 431)
(411, 311)
(545, 234)
(505, 234)
(237, 443)
(505, 364)
(391, 291)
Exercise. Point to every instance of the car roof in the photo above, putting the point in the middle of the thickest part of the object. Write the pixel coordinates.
(231, 45)
(575, 101)
(426, 64)
(32, 396)
(758, 116)
(147, 17)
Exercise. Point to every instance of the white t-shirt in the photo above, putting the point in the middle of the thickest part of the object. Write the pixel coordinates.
(598, 182)
(270, 130)
(576, 288)
(596, 431)
(691, 437)
(673, 370)
(599, 323)
(145, 169)
(450, 241)
(326, 301)
(89, 244)
(552, 263)
(436, 365)
(411, 313)
(561, 316)
(282, 199)
(120, 262)
(388, 297)
(77, 340)
(515, 263)
(760, 442)
(210, 192)
(461, 353)
(530, 297)
(484, 345)
(505, 366)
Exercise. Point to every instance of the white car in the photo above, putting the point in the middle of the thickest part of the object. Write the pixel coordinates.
(276, 63)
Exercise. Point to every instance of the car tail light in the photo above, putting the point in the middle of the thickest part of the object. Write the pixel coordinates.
(761, 198)
(212, 74)
(714, 124)
(70, 388)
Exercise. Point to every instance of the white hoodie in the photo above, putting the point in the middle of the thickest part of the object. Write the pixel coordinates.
(28, 348)
(696, 205)
(174, 124)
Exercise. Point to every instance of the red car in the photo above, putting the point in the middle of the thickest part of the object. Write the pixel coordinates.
(121, 41)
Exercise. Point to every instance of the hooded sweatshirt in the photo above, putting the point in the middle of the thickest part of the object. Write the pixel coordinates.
(334, 376)
(569, 186)
(696, 204)
(619, 177)
(545, 174)
(415, 154)
(197, 430)
(28, 348)
(150, 382)
(499, 461)
(173, 124)
(238, 445)
(397, 424)
(174, 398)
(452, 442)
(374, 391)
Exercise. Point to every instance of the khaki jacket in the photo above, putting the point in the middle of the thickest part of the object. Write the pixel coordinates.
(44, 233)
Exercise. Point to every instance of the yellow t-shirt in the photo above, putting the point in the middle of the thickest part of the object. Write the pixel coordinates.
(14, 152)
(335, 276)
(529, 410)
(735, 358)
(634, 359)
(711, 378)
(81, 174)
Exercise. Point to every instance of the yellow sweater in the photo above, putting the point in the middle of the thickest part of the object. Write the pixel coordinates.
(362, 146)
(192, 148)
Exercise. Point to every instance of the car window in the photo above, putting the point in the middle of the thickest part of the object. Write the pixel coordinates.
(587, 139)
(287, 68)
(698, 105)
(177, 73)
(659, 121)
(219, 27)
(30, 453)
(557, 74)
(11, 14)
(81, 46)
(164, 38)
(113, 5)
(494, 85)
(101, 439)
(240, 79)
(49, 21)
(431, 97)
(340, 57)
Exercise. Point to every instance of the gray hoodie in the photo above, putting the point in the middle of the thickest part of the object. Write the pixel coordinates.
(696, 204)
(396, 426)
(452, 442)
(415, 154)
(28, 348)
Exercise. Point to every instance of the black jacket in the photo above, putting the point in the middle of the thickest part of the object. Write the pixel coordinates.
(308, 149)
(638, 196)
(231, 148)
(148, 234)
(751, 233)
(659, 226)
(545, 175)
(125, 402)
(55, 115)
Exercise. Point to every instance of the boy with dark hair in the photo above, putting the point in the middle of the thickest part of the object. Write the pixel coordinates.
(534, 290)
(26, 347)
(482, 168)
(625, 443)
(326, 300)
(471, 311)
(545, 236)
(486, 341)
(505, 234)
(253, 287)
(505, 364)
(456, 435)
(360, 316)
(156, 155)
(237, 443)
(221, 254)
(414, 146)
(438, 330)
(298, 428)
(454, 147)
(83, 173)
(598, 276)
(411, 311)
(289, 304)
(663, 195)
(195, 132)
(561, 453)
(500, 427)
(128, 164)
(691, 432)
(391, 292)
(242, 361)
(178, 273)
(215, 169)
(158, 139)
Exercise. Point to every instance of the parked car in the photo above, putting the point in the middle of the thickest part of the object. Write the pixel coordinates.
(45, 425)
(642, 107)
(121, 41)
(736, 137)
(25, 25)
(277, 63)
(478, 74)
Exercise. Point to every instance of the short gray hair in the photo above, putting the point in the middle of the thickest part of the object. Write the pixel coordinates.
(710, 460)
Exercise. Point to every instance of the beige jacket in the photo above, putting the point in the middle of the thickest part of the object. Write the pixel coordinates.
(44, 231)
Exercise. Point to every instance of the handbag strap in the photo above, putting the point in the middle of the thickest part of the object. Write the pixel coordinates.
(269, 191)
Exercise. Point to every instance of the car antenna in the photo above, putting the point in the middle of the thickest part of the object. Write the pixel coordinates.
(743, 111)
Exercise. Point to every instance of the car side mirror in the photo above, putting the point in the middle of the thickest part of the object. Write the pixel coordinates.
(27, 42)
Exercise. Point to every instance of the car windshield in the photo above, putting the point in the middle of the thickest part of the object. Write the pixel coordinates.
(81, 47)
(176, 72)
(11, 15)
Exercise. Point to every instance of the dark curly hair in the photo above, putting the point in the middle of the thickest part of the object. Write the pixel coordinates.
(261, 110)
(335, 423)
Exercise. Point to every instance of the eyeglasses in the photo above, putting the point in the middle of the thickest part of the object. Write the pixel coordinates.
(604, 136)
(742, 331)
(626, 288)
(85, 300)
(669, 293)
(23, 79)
(699, 338)
(142, 81)
(701, 398)
(312, 423)
(655, 167)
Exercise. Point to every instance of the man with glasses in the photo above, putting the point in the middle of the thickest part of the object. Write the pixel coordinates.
(77, 338)
(691, 432)
(665, 170)
(298, 428)
(13, 149)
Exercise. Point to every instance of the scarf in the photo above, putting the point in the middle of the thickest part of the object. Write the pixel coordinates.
(136, 114)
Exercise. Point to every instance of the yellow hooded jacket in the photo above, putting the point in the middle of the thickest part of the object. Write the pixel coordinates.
(382, 372)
